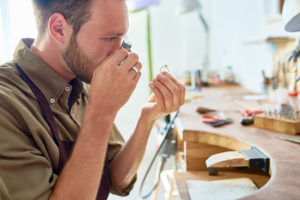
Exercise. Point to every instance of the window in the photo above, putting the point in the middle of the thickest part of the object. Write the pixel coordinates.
(16, 21)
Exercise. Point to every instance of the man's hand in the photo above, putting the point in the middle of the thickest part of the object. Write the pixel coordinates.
(168, 96)
(113, 82)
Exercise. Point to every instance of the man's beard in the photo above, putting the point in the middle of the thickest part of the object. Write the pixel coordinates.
(77, 62)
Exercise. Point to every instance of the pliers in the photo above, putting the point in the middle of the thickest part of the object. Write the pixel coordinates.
(211, 117)
(215, 121)
(249, 116)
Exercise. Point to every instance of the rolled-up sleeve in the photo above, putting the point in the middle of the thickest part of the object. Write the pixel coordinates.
(116, 142)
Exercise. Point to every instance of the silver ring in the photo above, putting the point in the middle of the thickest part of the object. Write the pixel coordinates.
(164, 68)
(135, 69)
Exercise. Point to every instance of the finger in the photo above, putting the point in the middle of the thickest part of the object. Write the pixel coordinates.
(118, 56)
(180, 85)
(138, 65)
(168, 97)
(158, 95)
(134, 81)
(182, 94)
(133, 72)
(152, 98)
(131, 61)
(138, 76)
(136, 69)
(172, 87)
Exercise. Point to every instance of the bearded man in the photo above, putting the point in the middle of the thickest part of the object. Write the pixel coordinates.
(59, 99)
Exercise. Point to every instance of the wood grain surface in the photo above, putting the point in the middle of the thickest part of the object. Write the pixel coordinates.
(278, 125)
(284, 155)
(182, 177)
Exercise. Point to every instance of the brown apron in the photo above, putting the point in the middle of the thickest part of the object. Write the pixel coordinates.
(65, 147)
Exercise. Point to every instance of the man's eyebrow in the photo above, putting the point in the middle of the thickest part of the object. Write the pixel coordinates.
(114, 33)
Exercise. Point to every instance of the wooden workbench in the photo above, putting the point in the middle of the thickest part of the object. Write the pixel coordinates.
(284, 156)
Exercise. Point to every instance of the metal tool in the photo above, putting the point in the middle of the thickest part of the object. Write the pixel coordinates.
(257, 160)
(215, 121)
(126, 45)
(249, 116)
(249, 113)
(221, 122)
(247, 121)
(212, 118)
(288, 139)
(283, 111)
(203, 110)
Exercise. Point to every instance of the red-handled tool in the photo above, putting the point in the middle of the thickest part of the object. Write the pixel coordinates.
(215, 121)
(211, 117)
(249, 116)
(249, 113)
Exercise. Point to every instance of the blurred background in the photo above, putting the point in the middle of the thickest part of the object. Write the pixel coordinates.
(238, 41)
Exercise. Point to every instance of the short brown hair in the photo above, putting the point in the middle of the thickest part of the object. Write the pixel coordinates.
(76, 12)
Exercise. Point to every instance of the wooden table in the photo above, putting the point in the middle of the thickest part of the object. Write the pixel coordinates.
(182, 177)
(284, 156)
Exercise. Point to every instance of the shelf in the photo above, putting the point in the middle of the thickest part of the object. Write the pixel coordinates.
(271, 40)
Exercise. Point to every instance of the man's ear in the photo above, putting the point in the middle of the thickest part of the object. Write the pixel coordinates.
(59, 28)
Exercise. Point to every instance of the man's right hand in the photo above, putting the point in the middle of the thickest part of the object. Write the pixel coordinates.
(113, 83)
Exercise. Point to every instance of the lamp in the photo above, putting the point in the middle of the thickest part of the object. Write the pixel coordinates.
(186, 6)
(291, 15)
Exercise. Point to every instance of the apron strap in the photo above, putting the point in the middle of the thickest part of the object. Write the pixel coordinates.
(43, 102)
(64, 146)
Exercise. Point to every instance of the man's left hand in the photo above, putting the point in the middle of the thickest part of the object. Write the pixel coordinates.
(168, 95)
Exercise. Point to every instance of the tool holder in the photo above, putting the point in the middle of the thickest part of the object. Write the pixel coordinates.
(252, 158)
(257, 160)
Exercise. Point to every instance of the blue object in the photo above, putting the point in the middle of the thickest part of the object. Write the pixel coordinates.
(141, 4)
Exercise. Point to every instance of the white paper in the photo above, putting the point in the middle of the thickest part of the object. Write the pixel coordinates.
(228, 189)
(255, 97)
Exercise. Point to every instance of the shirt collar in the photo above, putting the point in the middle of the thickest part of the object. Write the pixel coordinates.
(44, 77)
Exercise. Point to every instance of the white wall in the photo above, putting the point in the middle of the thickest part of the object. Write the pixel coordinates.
(18, 23)
(179, 40)
(137, 34)
(235, 22)
(176, 39)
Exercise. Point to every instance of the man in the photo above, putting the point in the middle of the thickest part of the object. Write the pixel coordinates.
(45, 106)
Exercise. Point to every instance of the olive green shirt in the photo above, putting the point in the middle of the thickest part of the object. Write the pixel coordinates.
(28, 153)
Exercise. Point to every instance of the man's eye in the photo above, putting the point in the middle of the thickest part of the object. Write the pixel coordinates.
(110, 39)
